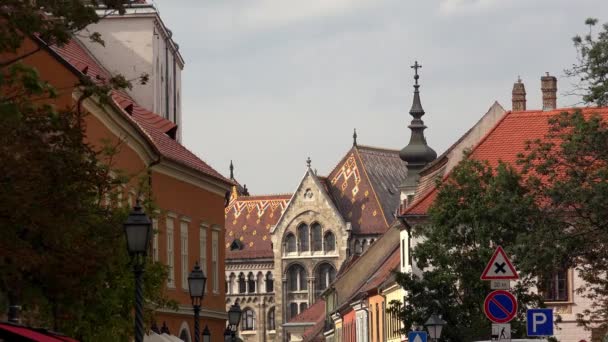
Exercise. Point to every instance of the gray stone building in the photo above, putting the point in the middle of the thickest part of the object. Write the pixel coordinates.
(282, 251)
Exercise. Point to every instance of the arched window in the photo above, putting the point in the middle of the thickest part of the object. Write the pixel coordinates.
(324, 276)
(293, 310)
(271, 325)
(317, 241)
(330, 242)
(303, 307)
(251, 283)
(184, 335)
(296, 278)
(363, 246)
(248, 320)
(290, 243)
(269, 282)
(242, 285)
(303, 238)
(231, 283)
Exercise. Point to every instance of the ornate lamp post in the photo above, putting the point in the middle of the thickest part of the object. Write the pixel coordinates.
(196, 285)
(234, 318)
(434, 325)
(138, 230)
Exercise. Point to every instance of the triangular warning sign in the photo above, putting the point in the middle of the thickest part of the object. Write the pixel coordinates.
(499, 267)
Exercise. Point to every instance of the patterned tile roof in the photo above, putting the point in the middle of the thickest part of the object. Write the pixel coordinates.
(249, 219)
(363, 186)
(503, 142)
(151, 125)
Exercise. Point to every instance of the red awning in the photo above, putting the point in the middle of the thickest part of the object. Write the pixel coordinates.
(8, 331)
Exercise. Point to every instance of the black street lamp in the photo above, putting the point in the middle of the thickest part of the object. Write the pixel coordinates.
(196, 285)
(206, 334)
(138, 230)
(434, 325)
(234, 318)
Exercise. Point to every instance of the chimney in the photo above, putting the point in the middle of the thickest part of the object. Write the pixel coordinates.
(518, 96)
(548, 85)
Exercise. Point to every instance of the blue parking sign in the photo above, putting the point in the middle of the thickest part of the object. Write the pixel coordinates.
(417, 336)
(540, 322)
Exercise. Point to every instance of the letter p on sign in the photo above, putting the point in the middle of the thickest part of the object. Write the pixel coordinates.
(540, 322)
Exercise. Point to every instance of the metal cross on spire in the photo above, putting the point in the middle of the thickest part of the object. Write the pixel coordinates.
(416, 66)
(308, 162)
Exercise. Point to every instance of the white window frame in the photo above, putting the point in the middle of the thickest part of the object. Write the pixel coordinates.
(203, 250)
(215, 238)
(184, 252)
(170, 252)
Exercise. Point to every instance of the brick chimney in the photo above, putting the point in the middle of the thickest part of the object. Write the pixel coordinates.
(518, 96)
(548, 85)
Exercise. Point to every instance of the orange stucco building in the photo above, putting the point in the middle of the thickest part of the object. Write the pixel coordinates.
(188, 193)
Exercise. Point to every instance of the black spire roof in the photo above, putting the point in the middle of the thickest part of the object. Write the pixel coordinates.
(417, 153)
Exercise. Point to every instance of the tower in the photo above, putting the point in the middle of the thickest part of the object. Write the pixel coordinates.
(417, 154)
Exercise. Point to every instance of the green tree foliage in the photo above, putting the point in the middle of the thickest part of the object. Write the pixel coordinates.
(476, 209)
(62, 249)
(568, 173)
(591, 69)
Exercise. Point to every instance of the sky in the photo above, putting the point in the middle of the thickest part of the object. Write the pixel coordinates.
(268, 83)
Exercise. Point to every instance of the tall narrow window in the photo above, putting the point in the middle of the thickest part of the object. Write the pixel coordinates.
(303, 238)
(296, 278)
(203, 251)
(303, 307)
(271, 325)
(290, 243)
(170, 261)
(317, 239)
(242, 283)
(330, 242)
(250, 283)
(269, 282)
(214, 260)
(184, 253)
(325, 275)
(155, 240)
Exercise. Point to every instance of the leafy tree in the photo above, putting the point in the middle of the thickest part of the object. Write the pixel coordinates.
(591, 69)
(568, 173)
(62, 251)
(477, 208)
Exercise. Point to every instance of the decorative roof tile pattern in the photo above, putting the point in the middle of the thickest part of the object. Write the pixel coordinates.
(504, 142)
(362, 186)
(152, 125)
(249, 219)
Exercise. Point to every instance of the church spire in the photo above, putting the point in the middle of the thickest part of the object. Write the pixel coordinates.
(355, 137)
(231, 170)
(417, 153)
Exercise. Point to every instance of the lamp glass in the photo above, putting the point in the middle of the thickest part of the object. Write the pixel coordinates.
(434, 325)
(234, 315)
(206, 335)
(138, 230)
(197, 282)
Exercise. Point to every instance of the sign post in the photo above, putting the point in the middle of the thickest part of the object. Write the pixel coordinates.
(500, 305)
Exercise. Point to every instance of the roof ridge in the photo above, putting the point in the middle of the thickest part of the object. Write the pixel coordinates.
(266, 195)
(369, 147)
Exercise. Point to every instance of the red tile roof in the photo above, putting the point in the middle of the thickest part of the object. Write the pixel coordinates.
(249, 219)
(151, 125)
(314, 313)
(504, 141)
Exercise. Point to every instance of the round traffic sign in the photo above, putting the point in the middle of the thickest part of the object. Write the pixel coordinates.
(500, 306)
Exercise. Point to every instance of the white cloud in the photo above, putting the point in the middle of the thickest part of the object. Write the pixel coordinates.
(467, 6)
